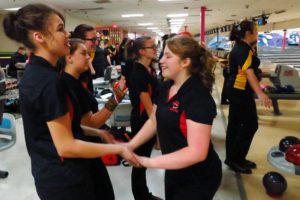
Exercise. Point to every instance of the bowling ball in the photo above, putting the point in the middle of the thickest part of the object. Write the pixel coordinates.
(274, 183)
(105, 91)
(288, 89)
(292, 154)
(288, 141)
(270, 89)
(279, 89)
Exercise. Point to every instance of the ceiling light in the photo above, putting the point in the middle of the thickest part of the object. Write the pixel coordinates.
(165, 0)
(175, 30)
(152, 28)
(132, 15)
(145, 24)
(177, 20)
(12, 9)
(176, 23)
(178, 15)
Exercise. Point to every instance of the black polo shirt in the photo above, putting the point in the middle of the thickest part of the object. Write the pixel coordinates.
(141, 81)
(240, 59)
(193, 102)
(99, 62)
(43, 98)
(79, 99)
(126, 68)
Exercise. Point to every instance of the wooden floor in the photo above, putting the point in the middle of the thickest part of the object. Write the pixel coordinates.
(271, 129)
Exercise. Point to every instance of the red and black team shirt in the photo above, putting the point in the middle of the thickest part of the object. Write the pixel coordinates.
(192, 102)
(78, 102)
(43, 98)
(141, 81)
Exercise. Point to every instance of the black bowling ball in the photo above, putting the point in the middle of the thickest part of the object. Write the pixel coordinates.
(289, 89)
(270, 89)
(274, 183)
(288, 141)
(105, 91)
(279, 89)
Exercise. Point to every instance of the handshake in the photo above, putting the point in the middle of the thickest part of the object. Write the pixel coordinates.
(132, 158)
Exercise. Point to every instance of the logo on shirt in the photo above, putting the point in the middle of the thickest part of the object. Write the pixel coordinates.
(174, 107)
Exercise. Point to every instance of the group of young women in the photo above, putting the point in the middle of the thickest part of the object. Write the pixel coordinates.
(58, 111)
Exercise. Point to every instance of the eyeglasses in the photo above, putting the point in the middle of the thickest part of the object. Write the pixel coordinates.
(152, 47)
(91, 39)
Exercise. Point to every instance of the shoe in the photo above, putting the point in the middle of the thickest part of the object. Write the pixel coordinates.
(237, 167)
(152, 197)
(250, 164)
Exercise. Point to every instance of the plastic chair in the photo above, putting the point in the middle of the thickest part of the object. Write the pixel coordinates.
(7, 135)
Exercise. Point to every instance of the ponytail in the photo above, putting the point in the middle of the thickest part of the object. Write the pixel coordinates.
(238, 31)
(201, 60)
(32, 17)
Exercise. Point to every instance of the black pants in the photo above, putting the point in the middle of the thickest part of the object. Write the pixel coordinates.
(76, 192)
(101, 183)
(242, 125)
(201, 189)
(138, 176)
(224, 96)
(97, 186)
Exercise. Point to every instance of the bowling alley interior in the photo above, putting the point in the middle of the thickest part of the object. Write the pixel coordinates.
(272, 83)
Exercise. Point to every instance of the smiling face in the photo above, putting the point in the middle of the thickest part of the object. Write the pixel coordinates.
(171, 64)
(56, 38)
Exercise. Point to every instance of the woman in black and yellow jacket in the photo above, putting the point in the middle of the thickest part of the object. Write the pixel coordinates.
(241, 86)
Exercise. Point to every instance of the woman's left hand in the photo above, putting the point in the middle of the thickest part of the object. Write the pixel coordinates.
(144, 161)
(108, 137)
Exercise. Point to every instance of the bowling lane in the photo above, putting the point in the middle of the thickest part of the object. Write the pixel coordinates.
(271, 130)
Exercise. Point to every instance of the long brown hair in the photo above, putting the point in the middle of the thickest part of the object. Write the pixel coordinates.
(201, 60)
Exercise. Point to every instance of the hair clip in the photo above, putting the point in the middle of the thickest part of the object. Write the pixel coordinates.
(238, 27)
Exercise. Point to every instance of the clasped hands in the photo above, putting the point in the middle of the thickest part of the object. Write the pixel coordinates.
(134, 159)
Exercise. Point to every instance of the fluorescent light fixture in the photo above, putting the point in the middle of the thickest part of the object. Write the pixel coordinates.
(178, 15)
(175, 30)
(152, 28)
(177, 20)
(176, 23)
(165, 0)
(145, 24)
(132, 15)
(12, 9)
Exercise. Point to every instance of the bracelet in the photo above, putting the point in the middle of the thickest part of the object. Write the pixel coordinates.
(111, 104)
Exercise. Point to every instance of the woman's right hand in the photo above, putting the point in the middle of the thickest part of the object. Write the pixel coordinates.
(107, 137)
(128, 155)
(265, 100)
